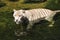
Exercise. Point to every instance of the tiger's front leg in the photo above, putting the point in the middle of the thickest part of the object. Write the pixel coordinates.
(29, 26)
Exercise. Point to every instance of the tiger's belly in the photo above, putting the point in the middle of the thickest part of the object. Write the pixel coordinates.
(36, 19)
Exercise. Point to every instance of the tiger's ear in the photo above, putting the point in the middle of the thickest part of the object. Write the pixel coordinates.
(14, 10)
(23, 11)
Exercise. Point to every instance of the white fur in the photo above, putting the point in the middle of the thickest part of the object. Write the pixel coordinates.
(32, 16)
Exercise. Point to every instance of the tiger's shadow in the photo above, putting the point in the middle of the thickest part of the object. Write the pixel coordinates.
(41, 23)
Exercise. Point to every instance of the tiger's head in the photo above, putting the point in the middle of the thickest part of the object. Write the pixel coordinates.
(18, 16)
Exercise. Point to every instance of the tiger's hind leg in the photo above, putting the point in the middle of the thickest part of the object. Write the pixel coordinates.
(52, 23)
(50, 19)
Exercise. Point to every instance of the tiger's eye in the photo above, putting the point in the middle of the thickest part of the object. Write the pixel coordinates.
(19, 15)
(15, 15)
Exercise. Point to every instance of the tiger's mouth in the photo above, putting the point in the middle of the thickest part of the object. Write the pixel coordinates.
(17, 22)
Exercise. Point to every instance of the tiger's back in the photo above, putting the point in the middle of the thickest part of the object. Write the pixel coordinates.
(35, 14)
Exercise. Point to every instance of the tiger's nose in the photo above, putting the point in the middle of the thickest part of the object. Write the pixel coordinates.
(16, 20)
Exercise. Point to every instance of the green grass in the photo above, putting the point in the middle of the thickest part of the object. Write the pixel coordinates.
(39, 32)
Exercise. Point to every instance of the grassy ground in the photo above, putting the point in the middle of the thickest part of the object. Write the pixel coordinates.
(40, 31)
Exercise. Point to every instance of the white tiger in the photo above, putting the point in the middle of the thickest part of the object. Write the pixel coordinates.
(34, 15)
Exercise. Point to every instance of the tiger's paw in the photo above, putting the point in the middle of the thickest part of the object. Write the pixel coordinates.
(52, 24)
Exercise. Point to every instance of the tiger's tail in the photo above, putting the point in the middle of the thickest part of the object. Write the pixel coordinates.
(57, 11)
